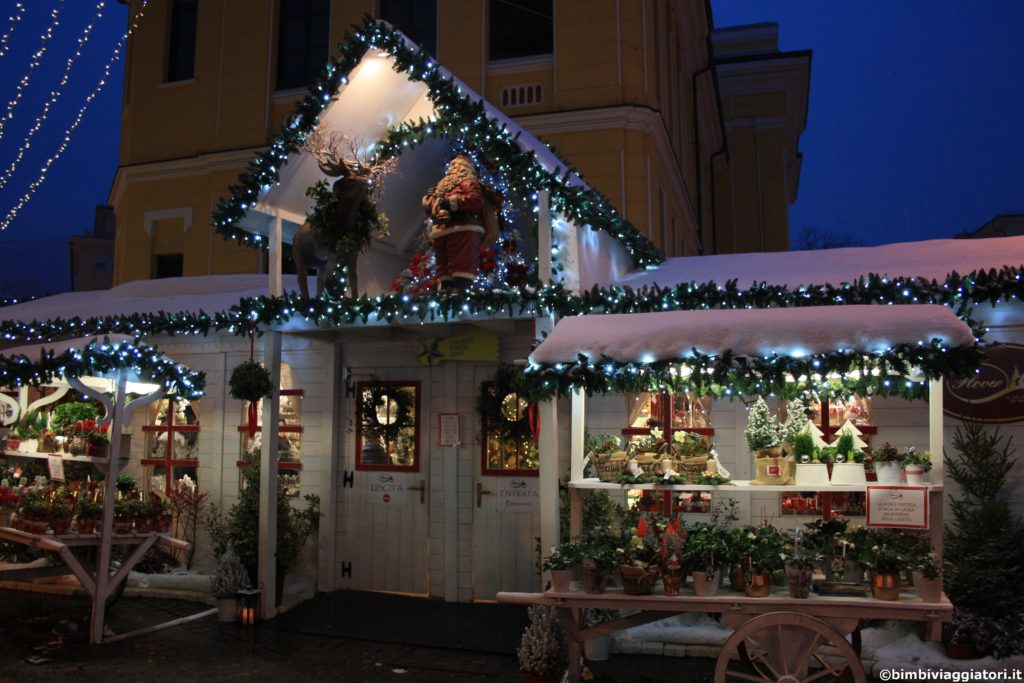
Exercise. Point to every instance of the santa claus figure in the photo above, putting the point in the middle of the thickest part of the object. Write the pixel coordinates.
(455, 208)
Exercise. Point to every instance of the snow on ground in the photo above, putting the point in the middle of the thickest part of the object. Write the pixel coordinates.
(692, 628)
(896, 645)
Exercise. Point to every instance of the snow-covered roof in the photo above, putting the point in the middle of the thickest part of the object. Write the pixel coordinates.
(206, 293)
(790, 332)
(932, 259)
(59, 347)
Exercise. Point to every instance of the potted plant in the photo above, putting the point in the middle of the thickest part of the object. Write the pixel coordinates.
(886, 462)
(885, 554)
(62, 509)
(802, 552)
(34, 511)
(596, 648)
(915, 464)
(848, 465)
(90, 511)
(765, 559)
(825, 535)
(28, 430)
(639, 558)
(225, 582)
(66, 415)
(673, 567)
(963, 636)
(738, 546)
(562, 563)
(764, 439)
(250, 381)
(811, 469)
(606, 456)
(707, 552)
(8, 504)
(124, 515)
(541, 651)
(927, 574)
(598, 557)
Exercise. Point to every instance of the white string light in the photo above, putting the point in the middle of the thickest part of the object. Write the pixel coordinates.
(19, 9)
(37, 57)
(54, 95)
(25, 198)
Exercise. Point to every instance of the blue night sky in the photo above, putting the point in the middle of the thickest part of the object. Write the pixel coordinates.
(913, 126)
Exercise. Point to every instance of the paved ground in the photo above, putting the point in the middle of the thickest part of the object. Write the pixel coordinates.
(210, 652)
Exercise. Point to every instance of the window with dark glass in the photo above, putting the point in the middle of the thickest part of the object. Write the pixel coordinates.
(168, 265)
(302, 41)
(415, 18)
(521, 28)
(181, 57)
(388, 417)
(509, 427)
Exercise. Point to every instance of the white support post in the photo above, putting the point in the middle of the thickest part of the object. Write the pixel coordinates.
(548, 447)
(578, 427)
(268, 477)
(936, 432)
(544, 271)
(99, 598)
(274, 286)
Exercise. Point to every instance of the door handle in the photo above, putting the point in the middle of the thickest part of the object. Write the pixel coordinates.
(422, 488)
(480, 493)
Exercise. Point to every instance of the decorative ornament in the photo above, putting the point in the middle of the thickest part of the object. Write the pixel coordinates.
(386, 411)
(250, 381)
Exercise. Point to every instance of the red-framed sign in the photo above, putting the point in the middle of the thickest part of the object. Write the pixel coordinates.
(897, 507)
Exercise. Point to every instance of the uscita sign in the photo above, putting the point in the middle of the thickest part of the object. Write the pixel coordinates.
(385, 488)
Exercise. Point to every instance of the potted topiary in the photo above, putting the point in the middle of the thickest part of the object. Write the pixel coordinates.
(764, 439)
(541, 652)
(562, 563)
(225, 582)
(250, 381)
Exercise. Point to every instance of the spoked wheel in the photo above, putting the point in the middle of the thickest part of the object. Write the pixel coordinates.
(787, 647)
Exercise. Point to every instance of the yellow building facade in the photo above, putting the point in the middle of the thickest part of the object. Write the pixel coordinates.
(626, 91)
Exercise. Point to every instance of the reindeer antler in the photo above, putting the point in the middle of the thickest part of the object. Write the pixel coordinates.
(339, 155)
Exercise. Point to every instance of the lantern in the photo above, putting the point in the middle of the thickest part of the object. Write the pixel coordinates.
(248, 606)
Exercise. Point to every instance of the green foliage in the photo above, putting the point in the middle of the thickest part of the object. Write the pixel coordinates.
(404, 412)
(845, 444)
(31, 426)
(329, 223)
(35, 503)
(250, 381)
(706, 547)
(238, 529)
(887, 551)
(912, 456)
(765, 550)
(762, 429)
(125, 483)
(984, 540)
(67, 414)
(885, 453)
(565, 556)
(803, 444)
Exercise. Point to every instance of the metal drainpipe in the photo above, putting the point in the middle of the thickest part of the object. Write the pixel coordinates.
(714, 204)
(696, 154)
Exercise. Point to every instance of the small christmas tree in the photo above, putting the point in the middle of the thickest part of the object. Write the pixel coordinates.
(542, 650)
(763, 430)
(796, 420)
(849, 429)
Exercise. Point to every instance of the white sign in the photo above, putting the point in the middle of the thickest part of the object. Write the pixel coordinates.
(385, 488)
(56, 463)
(898, 507)
(518, 494)
(450, 430)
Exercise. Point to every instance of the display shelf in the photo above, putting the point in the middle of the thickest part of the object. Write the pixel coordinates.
(67, 457)
(735, 486)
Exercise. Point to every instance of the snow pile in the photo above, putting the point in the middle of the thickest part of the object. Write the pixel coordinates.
(794, 332)
(175, 580)
(691, 628)
(896, 645)
(932, 259)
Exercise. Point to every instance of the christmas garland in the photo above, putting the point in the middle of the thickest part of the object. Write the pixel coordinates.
(727, 375)
(375, 397)
(489, 405)
(101, 357)
(459, 118)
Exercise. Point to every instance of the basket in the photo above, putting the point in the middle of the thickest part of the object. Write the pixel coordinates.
(609, 466)
(638, 580)
(76, 445)
(650, 463)
(692, 468)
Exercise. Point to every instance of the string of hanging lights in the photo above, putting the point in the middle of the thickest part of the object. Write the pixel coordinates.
(5, 39)
(54, 95)
(41, 178)
(37, 57)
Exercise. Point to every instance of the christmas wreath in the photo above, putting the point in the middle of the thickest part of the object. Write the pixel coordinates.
(504, 411)
(378, 397)
(250, 381)
(330, 229)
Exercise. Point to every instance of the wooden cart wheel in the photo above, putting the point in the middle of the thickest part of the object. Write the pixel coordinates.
(785, 647)
(855, 642)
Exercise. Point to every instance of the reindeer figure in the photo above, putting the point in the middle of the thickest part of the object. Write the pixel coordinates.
(349, 191)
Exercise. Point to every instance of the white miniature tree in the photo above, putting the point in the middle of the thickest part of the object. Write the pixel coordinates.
(763, 430)
(796, 420)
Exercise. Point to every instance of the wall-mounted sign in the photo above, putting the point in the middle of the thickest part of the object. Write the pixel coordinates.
(56, 464)
(995, 394)
(897, 507)
(518, 494)
(480, 345)
(387, 489)
(450, 430)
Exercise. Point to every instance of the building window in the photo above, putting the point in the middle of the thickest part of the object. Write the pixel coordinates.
(172, 444)
(302, 41)
(181, 55)
(508, 425)
(289, 440)
(388, 416)
(168, 265)
(415, 18)
(521, 28)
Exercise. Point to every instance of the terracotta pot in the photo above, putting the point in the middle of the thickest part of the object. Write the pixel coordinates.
(958, 651)
(737, 579)
(799, 582)
(561, 580)
(122, 525)
(705, 585)
(534, 678)
(87, 525)
(885, 586)
(33, 525)
(758, 585)
(638, 580)
(594, 578)
(144, 524)
(61, 525)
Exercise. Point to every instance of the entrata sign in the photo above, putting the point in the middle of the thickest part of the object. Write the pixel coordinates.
(995, 394)
(518, 494)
